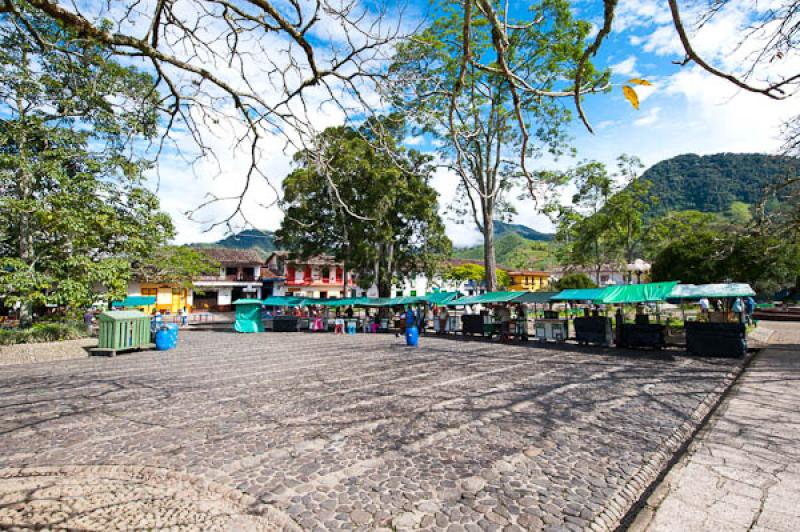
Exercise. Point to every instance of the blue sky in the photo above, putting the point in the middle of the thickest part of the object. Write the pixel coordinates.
(686, 111)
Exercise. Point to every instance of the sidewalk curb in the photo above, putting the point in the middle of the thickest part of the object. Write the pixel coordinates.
(620, 511)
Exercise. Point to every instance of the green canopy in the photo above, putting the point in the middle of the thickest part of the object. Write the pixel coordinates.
(247, 301)
(487, 298)
(440, 298)
(135, 301)
(692, 291)
(339, 302)
(638, 293)
(248, 316)
(283, 301)
(535, 297)
(581, 294)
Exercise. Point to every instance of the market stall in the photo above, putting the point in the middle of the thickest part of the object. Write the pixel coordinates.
(550, 326)
(484, 323)
(722, 334)
(589, 329)
(641, 333)
(248, 316)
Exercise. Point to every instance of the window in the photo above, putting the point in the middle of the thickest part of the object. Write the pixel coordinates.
(149, 291)
(231, 270)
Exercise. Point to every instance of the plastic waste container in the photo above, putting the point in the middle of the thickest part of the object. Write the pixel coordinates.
(167, 337)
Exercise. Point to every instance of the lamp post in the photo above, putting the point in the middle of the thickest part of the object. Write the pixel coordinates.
(638, 267)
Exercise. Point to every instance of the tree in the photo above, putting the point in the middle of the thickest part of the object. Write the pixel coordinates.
(74, 212)
(476, 113)
(475, 273)
(371, 207)
(261, 68)
(709, 256)
(583, 228)
(574, 280)
(179, 265)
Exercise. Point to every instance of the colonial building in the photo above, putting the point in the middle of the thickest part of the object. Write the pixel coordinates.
(170, 297)
(320, 276)
(529, 280)
(239, 277)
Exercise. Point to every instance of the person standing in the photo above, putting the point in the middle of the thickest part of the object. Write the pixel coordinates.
(738, 309)
(749, 308)
(184, 317)
(88, 319)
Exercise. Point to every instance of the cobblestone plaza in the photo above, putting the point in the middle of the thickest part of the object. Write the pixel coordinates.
(301, 431)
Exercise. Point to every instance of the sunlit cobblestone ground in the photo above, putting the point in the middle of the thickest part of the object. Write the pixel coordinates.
(333, 432)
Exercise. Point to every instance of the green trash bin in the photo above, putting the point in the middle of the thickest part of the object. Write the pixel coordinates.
(123, 330)
(248, 316)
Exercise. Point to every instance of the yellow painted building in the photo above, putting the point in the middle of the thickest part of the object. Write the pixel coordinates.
(529, 280)
(169, 297)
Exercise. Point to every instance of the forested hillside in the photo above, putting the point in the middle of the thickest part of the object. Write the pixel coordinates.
(711, 183)
(261, 241)
(514, 251)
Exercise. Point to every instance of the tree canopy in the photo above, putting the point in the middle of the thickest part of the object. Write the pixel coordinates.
(74, 213)
(371, 207)
(453, 79)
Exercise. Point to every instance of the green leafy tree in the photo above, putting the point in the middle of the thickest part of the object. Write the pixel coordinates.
(475, 273)
(583, 234)
(574, 280)
(74, 214)
(454, 84)
(366, 201)
(180, 265)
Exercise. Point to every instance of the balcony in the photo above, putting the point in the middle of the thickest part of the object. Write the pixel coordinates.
(248, 278)
(313, 280)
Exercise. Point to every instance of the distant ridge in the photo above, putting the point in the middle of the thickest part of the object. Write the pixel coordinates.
(263, 242)
(502, 228)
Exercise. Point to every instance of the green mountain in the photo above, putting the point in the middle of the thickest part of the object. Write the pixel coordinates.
(261, 241)
(502, 228)
(514, 251)
(714, 183)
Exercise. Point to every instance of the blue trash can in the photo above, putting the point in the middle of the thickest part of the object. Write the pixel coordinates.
(412, 336)
(167, 337)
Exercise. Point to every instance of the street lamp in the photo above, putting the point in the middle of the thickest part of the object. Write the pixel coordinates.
(638, 267)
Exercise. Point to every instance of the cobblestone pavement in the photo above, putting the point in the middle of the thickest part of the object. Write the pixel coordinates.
(360, 432)
(742, 472)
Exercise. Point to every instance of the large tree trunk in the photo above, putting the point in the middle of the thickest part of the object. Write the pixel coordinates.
(489, 261)
(25, 192)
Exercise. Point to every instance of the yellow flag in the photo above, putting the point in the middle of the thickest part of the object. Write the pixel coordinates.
(631, 96)
(639, 81)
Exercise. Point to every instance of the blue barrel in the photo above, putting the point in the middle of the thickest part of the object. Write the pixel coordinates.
(167, 337)
(412, 336)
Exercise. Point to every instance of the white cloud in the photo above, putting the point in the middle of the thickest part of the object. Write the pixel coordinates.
(626, 67)
(650, 118)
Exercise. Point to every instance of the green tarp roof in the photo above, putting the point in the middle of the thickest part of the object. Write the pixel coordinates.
(282, 301)
(580, 294)
(489, 297)
(440, 298)
(535, 297)
(246, 301)
(135, 301)
(638, 293)
(692, 291)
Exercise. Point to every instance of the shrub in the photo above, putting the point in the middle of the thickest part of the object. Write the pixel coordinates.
(43, 332)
